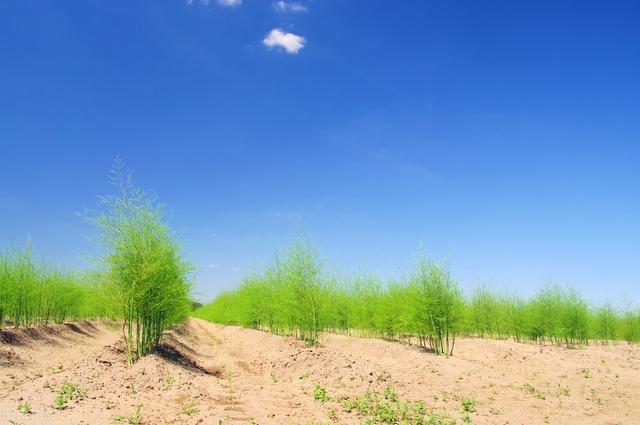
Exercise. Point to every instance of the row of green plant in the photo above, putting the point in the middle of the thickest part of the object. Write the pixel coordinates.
(293, 296)
(140, 276)
(35, 294)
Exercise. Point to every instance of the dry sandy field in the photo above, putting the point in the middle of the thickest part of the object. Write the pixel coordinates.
(213, 374)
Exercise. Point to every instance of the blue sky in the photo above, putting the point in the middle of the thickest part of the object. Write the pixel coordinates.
(504, 136)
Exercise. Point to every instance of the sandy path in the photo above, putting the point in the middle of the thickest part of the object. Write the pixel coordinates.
(254, 390)
(212, 374)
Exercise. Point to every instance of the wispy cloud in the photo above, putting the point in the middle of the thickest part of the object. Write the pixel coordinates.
(289, 6)
(230, 3)
(214, 266)
(225, 3)
(292, 43)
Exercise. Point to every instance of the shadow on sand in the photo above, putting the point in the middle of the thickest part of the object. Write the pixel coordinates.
(46, 334)
(170, 353)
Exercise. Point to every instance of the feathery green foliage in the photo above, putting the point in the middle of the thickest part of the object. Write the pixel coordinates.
(34, 294)
(288, 298)
(436, 302)
(294, 297)
(143, 265)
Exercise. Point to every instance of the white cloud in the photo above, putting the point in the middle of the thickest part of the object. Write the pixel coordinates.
(214, 266)
(289, 6)
(292, 43)
(225, 3)
(230, 3)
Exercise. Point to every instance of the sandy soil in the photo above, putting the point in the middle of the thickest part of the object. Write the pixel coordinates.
(212, 374)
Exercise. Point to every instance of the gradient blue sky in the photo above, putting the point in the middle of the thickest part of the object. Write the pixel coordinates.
(503, 135)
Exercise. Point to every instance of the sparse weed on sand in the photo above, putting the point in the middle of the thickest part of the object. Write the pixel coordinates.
(66, 393)
(389, 408)
(168, 382)
(24, 407)
(189, 408)
(320, 393)
(134, 419)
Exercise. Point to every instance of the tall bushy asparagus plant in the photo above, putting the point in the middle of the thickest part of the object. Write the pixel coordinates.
(289, 297)
(437, 306)
(606, 323)
(142, 262)
(366, 291)
(299, 271)
(485, 310)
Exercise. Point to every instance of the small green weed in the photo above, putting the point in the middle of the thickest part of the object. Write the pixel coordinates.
(189, 408)
(134, 419)
(305, 375)
(25, 407)
(66, 393)
(320, 393)
(169, 380)
(332, 414)
(468, 405)
(532, 390)
(390, 394)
